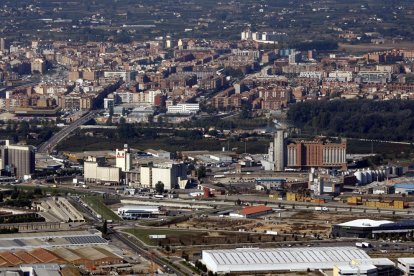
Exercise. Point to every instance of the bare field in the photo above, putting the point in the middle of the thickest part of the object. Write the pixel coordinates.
(367, 47)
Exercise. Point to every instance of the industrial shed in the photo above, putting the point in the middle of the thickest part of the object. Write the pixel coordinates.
(279, 259)
(138, 211)
(253, 211)
(88, 257)
(367, 228)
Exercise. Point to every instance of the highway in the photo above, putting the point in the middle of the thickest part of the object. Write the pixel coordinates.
(62, 134)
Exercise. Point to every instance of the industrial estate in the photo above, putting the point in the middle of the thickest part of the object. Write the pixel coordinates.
(206, 137)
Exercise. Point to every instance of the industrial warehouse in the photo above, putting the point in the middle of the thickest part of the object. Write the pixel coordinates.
(88, 257)
(285, 259)
(51, 239)
(137, 211)
(367, 228)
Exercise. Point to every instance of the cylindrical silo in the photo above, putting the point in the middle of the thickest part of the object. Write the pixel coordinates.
(364, 177)
(358, 175)
(369, 176)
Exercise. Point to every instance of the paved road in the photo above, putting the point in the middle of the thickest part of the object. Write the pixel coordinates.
(230, 201)
(145, 253)
(62, 134)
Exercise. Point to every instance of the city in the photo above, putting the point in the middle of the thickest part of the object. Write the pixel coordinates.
(206, 137)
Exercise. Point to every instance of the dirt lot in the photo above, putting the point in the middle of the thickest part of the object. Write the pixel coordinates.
(296, 222)
(364, 48)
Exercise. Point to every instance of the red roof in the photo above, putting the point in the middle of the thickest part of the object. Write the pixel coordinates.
(10, 258)
(43, 255)
(255, 209)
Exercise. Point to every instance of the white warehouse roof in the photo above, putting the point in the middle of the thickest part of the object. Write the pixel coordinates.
(139, 208)
(365, 223)
(279, 259)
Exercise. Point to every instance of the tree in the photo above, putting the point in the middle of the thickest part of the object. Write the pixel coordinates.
(201, 172)
(109, 121)
(159, 187)
(15, 193)
(105, 228)
(37, 191)
(190, 168)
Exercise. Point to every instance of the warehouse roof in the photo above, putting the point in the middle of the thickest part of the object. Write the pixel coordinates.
(139, 208)
(406, 260)
(66, 254)
(255, 209)
(404, 185)
(10, 258)
(44, 256)
(353, 269)
(280, 259)
(26, 257)
(365, 223)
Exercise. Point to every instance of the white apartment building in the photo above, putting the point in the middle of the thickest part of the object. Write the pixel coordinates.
(183, 108)
(345, 76)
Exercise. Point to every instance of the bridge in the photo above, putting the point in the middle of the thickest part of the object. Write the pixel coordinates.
(49, 145)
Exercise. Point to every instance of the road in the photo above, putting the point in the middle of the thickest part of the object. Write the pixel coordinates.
(228, 201)
(145, 253)
(280, 204)
(62, 134)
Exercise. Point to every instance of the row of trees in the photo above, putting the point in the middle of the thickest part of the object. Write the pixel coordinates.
(23, 130)
(382, 120)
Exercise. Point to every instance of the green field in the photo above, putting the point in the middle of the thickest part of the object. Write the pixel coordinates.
(143, 234)
(79, 143)
(397, 151)
(51, 190)
(97, 204)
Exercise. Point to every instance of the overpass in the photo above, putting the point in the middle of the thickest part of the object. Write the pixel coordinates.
(63, 133)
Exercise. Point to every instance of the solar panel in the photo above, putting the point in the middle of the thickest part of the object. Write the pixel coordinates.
(19, 242)
(85, 239)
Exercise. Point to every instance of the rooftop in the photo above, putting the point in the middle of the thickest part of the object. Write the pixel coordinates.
(280, 259)
(406, 260)
(365, 223)
(255, 209)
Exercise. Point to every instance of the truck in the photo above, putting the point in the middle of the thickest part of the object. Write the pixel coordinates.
(363, 244)
(319, 208)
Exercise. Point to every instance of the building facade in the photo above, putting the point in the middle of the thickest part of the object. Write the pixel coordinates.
(317, 154)
(96, 172)
(123, 159)
(173, 176)
(17, 160)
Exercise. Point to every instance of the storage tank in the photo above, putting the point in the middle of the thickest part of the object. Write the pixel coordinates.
(369, 176)
(383, 174)
(358, 175)
(379, 175)
(374, 176)
(364, 177)
(396, 170)
(387, 171)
